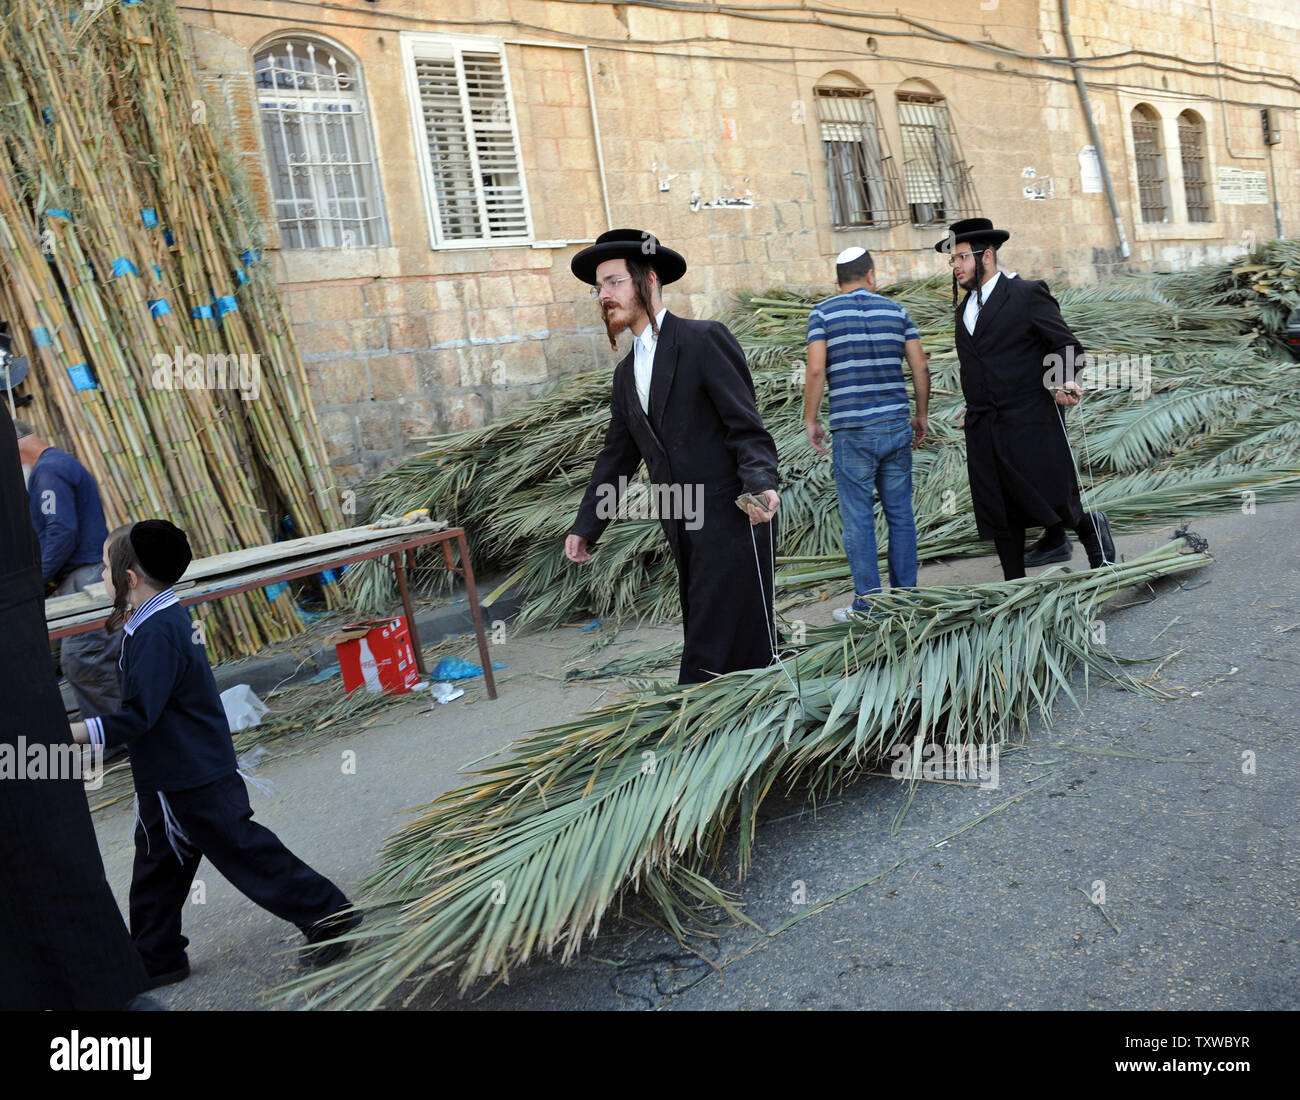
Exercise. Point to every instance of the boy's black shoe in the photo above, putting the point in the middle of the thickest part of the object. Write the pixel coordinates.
(316, 953)
(1039, 554)
(1095, 536)
(168, 977)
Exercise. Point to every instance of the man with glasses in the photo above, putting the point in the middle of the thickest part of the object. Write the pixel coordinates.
(1009, 333)
(683, 401)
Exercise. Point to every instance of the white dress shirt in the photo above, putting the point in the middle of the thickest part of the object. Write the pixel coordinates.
(643, 364)
(972, 312)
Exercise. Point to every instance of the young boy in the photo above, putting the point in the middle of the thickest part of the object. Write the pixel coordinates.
(191, 800)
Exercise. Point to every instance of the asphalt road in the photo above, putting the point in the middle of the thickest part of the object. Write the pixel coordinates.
(1141, 854)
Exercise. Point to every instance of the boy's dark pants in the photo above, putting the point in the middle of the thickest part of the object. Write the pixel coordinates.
(217, 818)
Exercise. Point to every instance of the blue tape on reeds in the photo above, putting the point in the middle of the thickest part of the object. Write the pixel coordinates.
(251, 256)
(159, 306)
(157, 272)
(168, 239)
(201, 311)
(48, 115)
(149, 216)
(52, 213)
(81, 377)
(123, 266)
(129, 3)
(240, 277)
(41, 337)
(274, 590)
(226, 304)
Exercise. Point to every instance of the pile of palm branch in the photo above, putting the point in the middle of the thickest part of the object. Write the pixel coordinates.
(1213, 415)
(125, 242)
(635, 799)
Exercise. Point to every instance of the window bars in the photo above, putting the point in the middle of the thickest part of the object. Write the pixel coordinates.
(1196, 184)
(317, 136)
(861, 177)
(935, 174)
(1150, 163)
(473, 167)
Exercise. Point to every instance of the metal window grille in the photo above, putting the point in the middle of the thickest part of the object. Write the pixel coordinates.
(1150, 163)
(473, 170)
(317, 133)
(861, 178)
(1196, 185)
(936, 176)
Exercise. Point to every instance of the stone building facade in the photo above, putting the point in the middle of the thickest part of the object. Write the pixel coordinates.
(427, 168)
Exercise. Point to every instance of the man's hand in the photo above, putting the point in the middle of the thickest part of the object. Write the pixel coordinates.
(575, 549)
(817, 436)
(757, 515)
(960, 418)
(920, 429)
(1068, 395)
(80, 734)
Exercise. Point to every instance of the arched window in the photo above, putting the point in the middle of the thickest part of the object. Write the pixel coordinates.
(860, 175)
(1150, 158)
(317, 136)
(1196, 183)
(935, 174)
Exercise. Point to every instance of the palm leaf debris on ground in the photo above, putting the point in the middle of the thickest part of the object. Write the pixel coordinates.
(634, 800)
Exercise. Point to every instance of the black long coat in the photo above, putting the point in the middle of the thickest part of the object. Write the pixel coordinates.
(1017, 456)
(63, 943)
(705, 436)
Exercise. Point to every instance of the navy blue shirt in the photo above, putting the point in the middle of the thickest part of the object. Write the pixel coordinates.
(66, 512)
(171, 720)
(865, 334)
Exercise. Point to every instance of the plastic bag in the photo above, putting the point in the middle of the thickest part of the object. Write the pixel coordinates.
(243, 707)
(445, 693)
(457, 668)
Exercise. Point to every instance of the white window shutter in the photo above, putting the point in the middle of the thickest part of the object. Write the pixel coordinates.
(474, 164)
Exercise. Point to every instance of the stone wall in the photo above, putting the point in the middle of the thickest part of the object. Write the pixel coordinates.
(709, 138)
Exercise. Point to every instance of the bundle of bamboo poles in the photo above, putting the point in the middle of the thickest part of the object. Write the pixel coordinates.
(124, 243)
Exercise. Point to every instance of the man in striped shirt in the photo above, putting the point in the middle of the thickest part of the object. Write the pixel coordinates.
(857, 342)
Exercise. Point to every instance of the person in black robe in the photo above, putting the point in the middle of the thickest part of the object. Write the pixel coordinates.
(63, 943)
(683, 400)
(1018, 364)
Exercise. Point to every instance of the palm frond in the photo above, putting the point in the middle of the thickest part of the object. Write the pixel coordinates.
(636, 799)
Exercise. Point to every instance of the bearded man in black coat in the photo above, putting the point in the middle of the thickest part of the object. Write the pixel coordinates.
(1018, 363)
(683, 401)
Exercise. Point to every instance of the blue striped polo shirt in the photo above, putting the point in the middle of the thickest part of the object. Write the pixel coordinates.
(864, 335)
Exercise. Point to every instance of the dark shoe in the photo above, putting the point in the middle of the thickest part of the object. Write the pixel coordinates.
(168, 977)
(1095, 536)
(1045, 555)
(318, 953)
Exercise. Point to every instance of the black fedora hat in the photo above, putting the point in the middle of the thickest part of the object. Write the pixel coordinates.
(972, 229)
(629, 244)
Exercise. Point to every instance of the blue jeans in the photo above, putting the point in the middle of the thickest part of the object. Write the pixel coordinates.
(868, 460)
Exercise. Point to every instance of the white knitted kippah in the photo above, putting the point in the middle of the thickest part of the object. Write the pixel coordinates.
(850, 254)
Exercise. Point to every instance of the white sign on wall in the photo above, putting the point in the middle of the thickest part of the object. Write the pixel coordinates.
(1090, 170)
(1241, 187)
